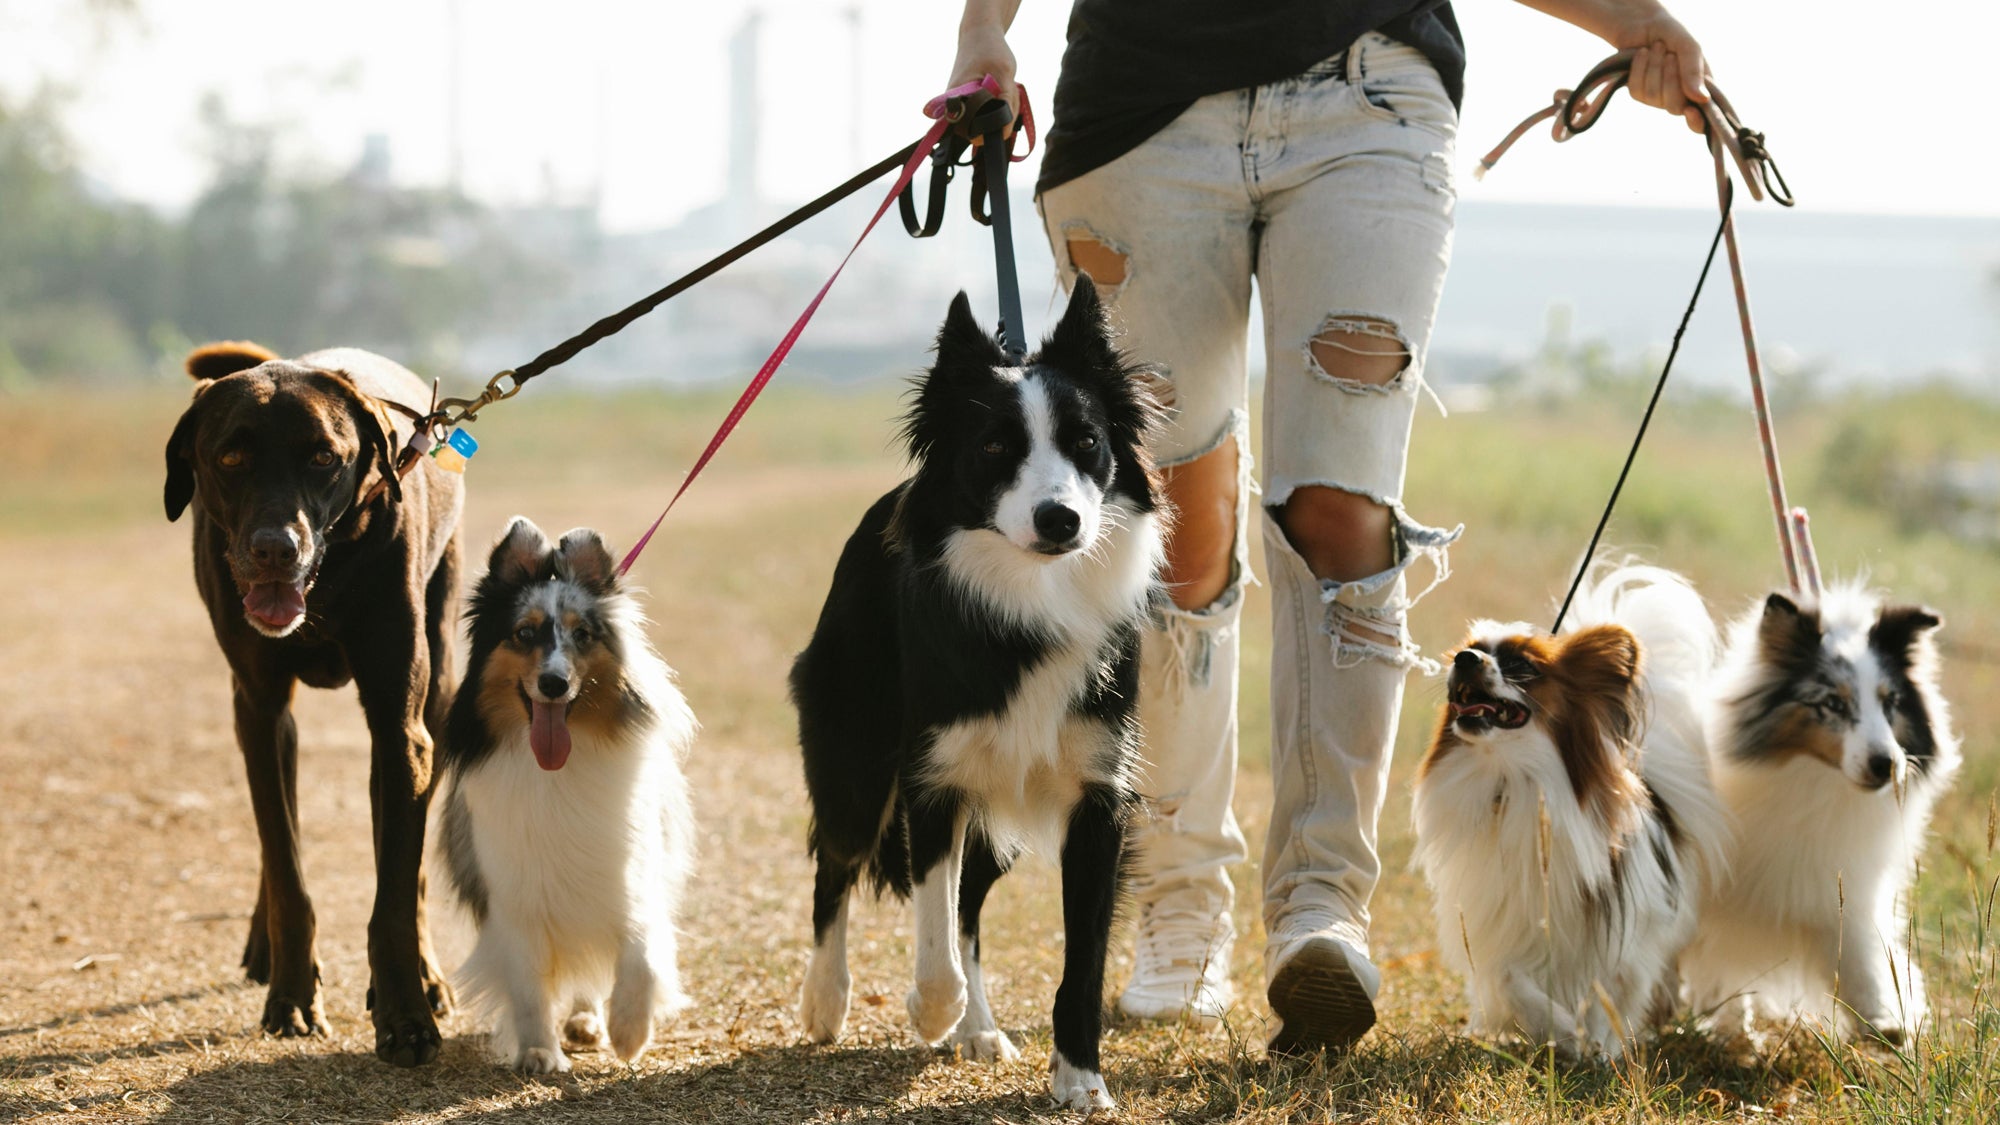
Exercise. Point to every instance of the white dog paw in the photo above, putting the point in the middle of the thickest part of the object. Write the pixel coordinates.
(583, 1031)
(630, 1033)
(985, 1046)
(1076, 1088)
(936, 1007)
(823, 1006)
(542, 1060)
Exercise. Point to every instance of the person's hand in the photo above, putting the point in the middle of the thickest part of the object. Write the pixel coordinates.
(983, 50)
(1668, 70)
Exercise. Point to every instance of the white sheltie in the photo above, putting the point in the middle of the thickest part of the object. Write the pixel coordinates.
(567, 830)
(1832, 744)
(1565, 817)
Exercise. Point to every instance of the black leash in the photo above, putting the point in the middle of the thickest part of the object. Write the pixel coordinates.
(988, 120)
(508, 383)
(1590, 552)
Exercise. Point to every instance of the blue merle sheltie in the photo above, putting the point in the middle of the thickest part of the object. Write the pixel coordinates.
(970, 690)
(1832, 744)
(566, 831)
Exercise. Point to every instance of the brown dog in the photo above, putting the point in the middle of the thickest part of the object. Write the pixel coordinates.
(303, 582)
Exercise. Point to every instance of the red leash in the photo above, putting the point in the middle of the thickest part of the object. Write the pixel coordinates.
(943, 111)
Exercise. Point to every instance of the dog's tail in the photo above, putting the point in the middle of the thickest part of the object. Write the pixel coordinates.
(226, 357)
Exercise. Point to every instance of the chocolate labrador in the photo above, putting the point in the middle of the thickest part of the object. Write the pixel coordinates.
(310, 578)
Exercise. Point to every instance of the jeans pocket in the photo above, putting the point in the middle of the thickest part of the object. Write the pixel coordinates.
(1408, 95)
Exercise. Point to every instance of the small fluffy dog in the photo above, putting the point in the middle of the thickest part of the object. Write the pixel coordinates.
(567, 829)
(1565, 817)
(1832, 743)
(971, 687)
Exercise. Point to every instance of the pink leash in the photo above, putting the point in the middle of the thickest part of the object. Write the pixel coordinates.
(938, 109)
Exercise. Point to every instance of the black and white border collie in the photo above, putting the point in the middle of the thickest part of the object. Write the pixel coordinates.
(1832, 744)
(567, 831)
(970, 690)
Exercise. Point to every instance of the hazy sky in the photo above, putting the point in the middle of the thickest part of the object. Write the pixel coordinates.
(1863, 115)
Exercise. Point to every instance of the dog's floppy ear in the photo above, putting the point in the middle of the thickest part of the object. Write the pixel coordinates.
(584, 557)
(378, 447)
(1898, 628)
(180, 458)
(226, 357)
(522, 553)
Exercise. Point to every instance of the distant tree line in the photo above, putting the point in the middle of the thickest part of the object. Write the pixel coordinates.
(97, 288)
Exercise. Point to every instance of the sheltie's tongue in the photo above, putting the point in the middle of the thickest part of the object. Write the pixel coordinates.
(548, 735)
(276, 604)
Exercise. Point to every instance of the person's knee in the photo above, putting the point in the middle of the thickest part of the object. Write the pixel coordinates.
(1342, 536)
(1201, 548)
(1359, 350)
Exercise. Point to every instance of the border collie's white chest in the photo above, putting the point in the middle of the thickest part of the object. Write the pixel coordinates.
(1025, 765)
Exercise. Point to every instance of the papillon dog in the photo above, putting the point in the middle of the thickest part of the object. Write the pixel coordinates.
(1832, 744)
(970, 690)
(566, 830)
(1565, 818)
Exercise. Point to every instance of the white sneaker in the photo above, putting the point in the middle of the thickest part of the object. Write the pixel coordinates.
(1181, 966)
(1322, 990)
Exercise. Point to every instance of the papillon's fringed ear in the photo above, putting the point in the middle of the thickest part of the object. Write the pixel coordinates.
(1899, 628)
(1605, 657)
(583, 557)
(963, 342)
(523, 553)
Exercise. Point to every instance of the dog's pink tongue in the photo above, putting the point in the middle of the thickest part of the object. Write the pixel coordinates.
(276, 604)
(548, 735)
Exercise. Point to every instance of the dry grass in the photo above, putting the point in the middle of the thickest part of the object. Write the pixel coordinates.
(128, 861)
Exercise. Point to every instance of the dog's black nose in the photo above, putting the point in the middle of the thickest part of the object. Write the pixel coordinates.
(274, 547)
(1880, 767)
(1056, 523)
(1467, 661)
(553, 686)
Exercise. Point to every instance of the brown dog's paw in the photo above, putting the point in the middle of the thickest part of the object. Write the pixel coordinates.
(257, 953)
(290, 1019)
(406, 1040)
(437, 989)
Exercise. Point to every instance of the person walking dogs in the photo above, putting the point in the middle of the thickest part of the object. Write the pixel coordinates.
(1197, 144)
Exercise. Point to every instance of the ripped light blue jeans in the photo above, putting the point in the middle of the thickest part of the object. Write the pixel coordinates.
(1333, 190)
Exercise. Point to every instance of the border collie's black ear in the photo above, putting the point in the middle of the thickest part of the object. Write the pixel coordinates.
(1898, 628)
(226, 357)
(1082, 338)
(584, 557)
(522, 552)
(962, 341)
(180, 459)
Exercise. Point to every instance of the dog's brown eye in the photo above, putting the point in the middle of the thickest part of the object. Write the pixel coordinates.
(232, 459)
(525, 635)
(324, 458)
(994, 448)
(582, 636)
(1086, 443)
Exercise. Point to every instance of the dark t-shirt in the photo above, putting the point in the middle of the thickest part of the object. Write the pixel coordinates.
(1132, 66)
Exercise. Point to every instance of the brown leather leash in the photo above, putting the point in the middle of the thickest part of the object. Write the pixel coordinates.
(1575, 111)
